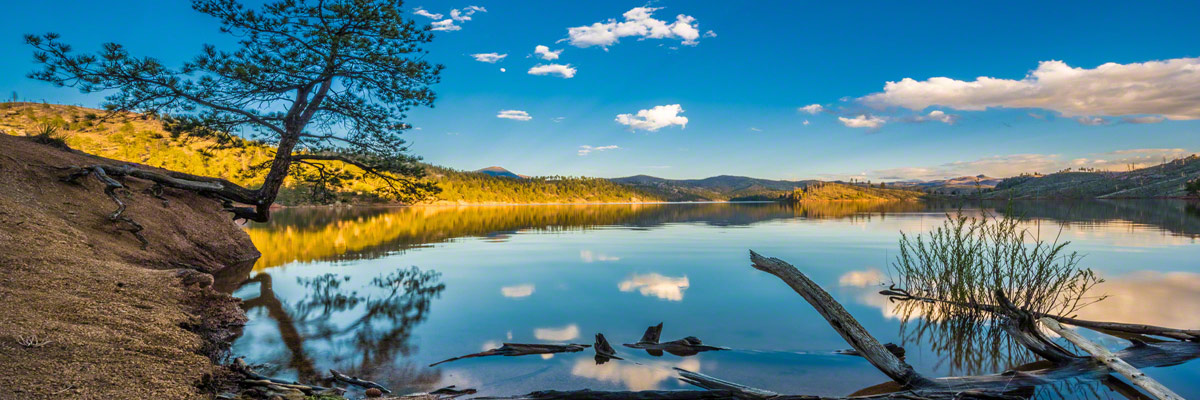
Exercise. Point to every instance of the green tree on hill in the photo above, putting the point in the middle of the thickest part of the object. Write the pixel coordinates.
(322, 81)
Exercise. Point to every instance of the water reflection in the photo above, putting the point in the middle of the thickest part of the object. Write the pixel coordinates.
(339, 234)
(368, 343)
(656, 285)
(320, 296)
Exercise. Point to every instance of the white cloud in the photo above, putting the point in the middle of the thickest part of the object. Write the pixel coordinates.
(456, 16)
(517, 291)
(446, 25)
(639, 23)
(503, 70)
(863, 121)
(545, 53)
(514, 115)
(806, 122)
(585, 149)
(564, 71)
(655, 285)
(755, 129)
(421, 11)
(563, 334)
(1169, 88)
(655, 118)
(813, 109)
(465, 14)
(489, 57)
(710, 33)
(939, 116)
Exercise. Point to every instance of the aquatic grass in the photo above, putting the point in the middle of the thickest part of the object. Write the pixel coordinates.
(942, 277)
(966, 260)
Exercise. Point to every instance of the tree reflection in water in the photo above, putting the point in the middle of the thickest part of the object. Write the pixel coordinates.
(367, 345)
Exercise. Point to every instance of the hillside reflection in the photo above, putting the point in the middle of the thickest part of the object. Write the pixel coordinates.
(338, 234)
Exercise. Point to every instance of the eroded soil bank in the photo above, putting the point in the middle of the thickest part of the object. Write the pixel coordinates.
(85, 312)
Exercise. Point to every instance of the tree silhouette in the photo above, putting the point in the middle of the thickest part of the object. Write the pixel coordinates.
(324, 81)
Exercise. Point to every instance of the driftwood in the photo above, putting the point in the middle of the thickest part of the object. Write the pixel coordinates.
(448, 392)
(688, 346)
(1113, 362)
(604, 351)
(350, 380)
(273, 386)
(520, 349)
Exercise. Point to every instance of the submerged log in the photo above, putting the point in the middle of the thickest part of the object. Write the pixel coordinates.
(1112, 361)
(521, 349)
(688, 346)
(347, 379)
(842, 322)
(604, 351)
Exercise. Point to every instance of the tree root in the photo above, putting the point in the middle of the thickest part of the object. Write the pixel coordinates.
(111, 186)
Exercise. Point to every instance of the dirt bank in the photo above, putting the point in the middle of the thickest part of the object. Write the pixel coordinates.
(87, 313)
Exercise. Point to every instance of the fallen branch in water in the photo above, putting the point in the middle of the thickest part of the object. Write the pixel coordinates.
(1112, 362)
(520, 349)
(347, 379)
(688, 346)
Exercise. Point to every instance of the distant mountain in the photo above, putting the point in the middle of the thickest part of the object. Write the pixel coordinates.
(717, 188)
(1164, 180)
(501, 172)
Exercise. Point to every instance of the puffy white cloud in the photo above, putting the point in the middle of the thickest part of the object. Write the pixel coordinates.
(517, 291)
(456, 16)
(489, 57)
(863, 121)
(638, 22)
(514, 115)
(503, 70)
(655, 118)
(585, 150)
(564, 71)
(421, 11)
(446, 25)
(563, 334)
(938, 116)
(655, 285)
(1169, 88)
(710, 33)
(545, 53)
(813, 109)
(806, 122)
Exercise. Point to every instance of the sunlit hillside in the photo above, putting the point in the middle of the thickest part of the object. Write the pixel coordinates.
(827, 191)
(162, 143)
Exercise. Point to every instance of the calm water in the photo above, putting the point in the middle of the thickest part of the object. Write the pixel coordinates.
(382, 293)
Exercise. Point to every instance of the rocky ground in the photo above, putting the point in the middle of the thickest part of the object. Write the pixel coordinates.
(88, 313)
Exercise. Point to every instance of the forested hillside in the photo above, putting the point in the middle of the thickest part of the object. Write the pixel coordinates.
(179, 146)
(827, 191)
(717, 188)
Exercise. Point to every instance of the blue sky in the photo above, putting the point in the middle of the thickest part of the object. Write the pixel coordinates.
(741, 87)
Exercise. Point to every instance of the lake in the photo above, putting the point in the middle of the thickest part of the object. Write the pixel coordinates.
(384, 292)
